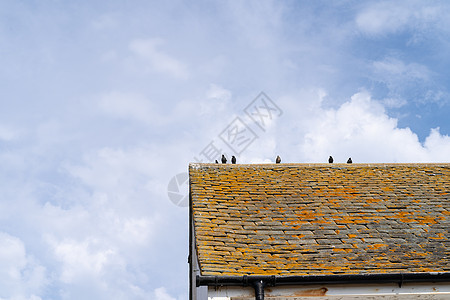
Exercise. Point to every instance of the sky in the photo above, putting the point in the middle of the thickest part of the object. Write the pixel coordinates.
(103, 105)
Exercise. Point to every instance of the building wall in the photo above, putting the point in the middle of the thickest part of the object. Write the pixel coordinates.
(436, 291)
(197, 293)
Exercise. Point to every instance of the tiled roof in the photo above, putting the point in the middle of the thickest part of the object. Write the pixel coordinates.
(317, 219)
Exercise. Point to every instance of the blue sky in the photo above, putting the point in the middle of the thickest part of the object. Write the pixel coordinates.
(104, 102)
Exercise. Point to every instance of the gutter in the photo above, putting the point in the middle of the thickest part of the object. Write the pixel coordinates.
(259, 282)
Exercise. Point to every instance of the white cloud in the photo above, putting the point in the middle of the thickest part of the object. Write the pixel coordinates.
(436, 96)
(390, 17)
(438, 146)
(129, 106)
(82, 259)
(385, 17)
(7, 133)
(105, 21)
(96, 248)
(411, 80)
(21, 277)
(110, 168)
(392, 67)
(12, 253)
(394, 102)
(361, 129)
(123, 184)
(161, 294)
(217, 99)
(147, 50)
(256, 22)
(217, 92)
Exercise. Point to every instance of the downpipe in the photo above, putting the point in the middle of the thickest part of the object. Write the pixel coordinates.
(259, 289)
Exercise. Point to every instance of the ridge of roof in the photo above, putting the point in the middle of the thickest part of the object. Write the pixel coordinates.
(282, 165)
(300, 219)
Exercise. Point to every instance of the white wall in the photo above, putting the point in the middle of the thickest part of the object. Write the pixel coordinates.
(351, 292)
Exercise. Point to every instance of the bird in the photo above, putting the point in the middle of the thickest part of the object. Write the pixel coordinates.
(217, 161)
(224, 159)
(349, 160)
(330, 159)
(278, 160)
(233, 159)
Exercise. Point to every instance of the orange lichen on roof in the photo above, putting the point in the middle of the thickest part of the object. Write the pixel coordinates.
(300, 219)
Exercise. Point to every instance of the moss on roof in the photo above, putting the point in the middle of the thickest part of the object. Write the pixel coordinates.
(301, 219)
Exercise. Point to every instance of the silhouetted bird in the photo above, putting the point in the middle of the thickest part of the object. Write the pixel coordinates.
(349, 160)
(330, 159)
(233, 159)
(217, 161)
(278, 160)
(224, 159)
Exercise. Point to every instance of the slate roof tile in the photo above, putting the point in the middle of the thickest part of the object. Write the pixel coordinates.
(300, 219)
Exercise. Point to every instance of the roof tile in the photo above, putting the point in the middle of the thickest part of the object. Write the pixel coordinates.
(300, 219)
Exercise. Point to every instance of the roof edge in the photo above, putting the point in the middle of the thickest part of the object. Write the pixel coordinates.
(200, 165)
(276, 280)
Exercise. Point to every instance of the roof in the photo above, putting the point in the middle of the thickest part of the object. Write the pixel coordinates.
(318, 219)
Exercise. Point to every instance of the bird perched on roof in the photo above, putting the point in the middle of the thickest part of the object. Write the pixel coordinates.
(278, 160)
(233, 159)
(217, 161)
(224, 159)
(330, 159)
(349, 160)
